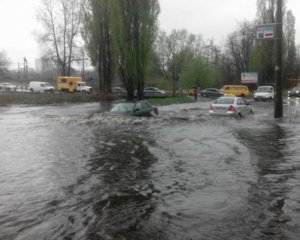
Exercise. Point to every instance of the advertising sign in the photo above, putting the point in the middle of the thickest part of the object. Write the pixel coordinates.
(249, 77)
(266, 31)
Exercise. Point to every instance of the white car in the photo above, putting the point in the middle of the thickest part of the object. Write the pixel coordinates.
(8, 87)
(264, 93)
(83, 88)
(230, 107)
(40, 87)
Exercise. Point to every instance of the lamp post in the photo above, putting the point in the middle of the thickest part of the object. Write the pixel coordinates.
(278, 108)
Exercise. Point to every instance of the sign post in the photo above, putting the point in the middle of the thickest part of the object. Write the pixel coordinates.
(273, 31)
(249, 77)
(266, 31)
(278, 104)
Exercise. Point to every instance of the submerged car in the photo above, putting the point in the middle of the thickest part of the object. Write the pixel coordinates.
(264, 93)
(135, 108)
(230, 107)
(295, 92)
(211, 92)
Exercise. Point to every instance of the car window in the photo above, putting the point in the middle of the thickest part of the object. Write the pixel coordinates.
(138, 106)
(264, 89)
(241, 101)
(224, 101)
(145, 105)
(123, 107)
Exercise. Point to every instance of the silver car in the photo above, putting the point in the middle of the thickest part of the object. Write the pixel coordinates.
(228, 106)
(150, 92)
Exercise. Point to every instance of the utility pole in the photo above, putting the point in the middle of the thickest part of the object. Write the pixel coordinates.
(278, 105)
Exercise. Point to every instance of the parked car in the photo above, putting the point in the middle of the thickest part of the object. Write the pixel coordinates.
(237, 90)
(136, 108)
(227, 106)
(295, 92)
(40, 87)
(119, 91)
(264, 93)
(154, 92)
(8, 87)
(211, 92)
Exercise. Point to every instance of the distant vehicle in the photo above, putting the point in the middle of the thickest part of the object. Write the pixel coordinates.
(295, 92)
(119, 91)
(41, 87)
(136, 108)
(154, 92)
(264, 93)
(8, 87)
(230, 107)
(237, 90)
(72, 84)
(211, 92)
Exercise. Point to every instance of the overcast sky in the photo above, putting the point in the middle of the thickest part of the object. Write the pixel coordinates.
(213, 19)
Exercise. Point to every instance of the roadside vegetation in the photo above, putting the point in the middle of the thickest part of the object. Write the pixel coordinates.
(7, 99)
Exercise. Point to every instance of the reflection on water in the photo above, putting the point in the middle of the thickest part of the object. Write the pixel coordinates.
(78, 172)
(122, 197)
(276, 167)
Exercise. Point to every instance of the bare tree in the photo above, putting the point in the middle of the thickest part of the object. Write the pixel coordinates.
(238, 48)
(4, 63)
(61, 21)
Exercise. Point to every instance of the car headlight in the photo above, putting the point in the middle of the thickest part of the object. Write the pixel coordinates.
(297, 92)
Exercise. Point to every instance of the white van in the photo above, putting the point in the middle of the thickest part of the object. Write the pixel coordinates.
(264, 93)
(41, 87)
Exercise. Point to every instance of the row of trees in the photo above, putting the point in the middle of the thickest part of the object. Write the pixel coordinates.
(186, 59)
(4, 63)
(122, 40)
(118, 36)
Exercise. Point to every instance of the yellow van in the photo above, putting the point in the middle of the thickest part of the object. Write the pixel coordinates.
(237, 90)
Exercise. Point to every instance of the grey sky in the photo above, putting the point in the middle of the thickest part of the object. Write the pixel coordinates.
(213, 19)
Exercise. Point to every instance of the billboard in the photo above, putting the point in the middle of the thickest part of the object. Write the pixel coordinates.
(266, 31)
(249, 77)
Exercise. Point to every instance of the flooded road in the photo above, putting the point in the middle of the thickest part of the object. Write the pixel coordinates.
(78, 172)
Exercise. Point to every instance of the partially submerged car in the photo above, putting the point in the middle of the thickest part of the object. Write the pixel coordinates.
(264, 93)
(135, 108)
(228, 106)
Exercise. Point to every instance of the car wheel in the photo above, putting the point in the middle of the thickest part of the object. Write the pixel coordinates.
(239, 116)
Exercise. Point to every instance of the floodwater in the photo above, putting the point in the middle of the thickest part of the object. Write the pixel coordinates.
(76, 172)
